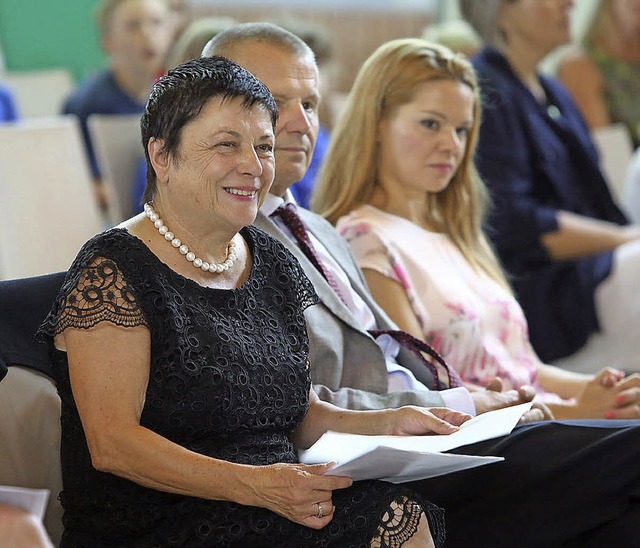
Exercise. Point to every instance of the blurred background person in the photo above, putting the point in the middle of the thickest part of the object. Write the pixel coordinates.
(181, 16)
(570, 252)
(136, 36)
(8, 109)
(193, 38)
(455, 34)
(603, 73)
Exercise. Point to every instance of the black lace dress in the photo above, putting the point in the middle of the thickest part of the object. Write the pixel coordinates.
(228, 378)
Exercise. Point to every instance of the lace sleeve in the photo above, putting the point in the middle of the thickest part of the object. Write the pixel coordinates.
(305, 292)
(99, 293)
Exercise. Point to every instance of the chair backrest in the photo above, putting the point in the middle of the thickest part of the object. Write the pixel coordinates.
(47, 200)
(615, 148)
(24, 304)
(40, 92)
(29, 403)
(631, 194)
(116, 141)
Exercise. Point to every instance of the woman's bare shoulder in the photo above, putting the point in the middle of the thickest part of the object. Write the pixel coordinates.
(576, 64)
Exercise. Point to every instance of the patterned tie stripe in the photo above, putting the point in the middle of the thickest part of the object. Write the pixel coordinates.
(294, 223)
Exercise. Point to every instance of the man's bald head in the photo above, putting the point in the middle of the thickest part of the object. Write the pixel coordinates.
(230, 40)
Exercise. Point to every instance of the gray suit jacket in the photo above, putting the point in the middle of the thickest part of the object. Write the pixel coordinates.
(348, 367)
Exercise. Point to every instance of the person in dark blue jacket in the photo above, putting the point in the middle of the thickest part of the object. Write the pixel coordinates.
(568, 248)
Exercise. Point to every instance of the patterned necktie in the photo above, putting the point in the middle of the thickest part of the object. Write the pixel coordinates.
(443, 375)
(287, 212)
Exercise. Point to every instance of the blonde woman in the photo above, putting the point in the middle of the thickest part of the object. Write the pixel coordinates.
(401, 185)
(603, 73)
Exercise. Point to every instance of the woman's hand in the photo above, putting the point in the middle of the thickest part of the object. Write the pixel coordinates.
(298, 492)
(627, 394)
(416, 421)
(610, 395)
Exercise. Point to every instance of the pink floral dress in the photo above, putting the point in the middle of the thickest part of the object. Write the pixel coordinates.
(472, 321)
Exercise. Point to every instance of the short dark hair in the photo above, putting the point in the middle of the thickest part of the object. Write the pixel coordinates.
(178, 98)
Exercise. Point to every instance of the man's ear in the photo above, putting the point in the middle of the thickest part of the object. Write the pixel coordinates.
(159, 158)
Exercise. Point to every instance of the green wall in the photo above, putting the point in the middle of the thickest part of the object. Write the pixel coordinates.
(37, 34)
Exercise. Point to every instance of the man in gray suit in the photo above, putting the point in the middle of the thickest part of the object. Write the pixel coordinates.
(561, 484)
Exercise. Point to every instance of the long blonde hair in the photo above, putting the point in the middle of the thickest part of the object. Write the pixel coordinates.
(387, 80)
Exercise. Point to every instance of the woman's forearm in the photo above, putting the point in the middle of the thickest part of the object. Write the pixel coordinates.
(140, 455)
(567, 384)
(579, 236)
(323, 416)
(566, 411)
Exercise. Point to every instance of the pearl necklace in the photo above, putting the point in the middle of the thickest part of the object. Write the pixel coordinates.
(184, 250)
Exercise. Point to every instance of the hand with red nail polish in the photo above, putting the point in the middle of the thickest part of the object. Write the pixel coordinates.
(608, 395)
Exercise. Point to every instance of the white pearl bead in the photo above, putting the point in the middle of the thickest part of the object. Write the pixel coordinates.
(205, 266)
(158, 223)
(154, 217)
(197, 262)
(176, 242)
(183, 249)
(169, 236)
(163, 230)
(190, 256)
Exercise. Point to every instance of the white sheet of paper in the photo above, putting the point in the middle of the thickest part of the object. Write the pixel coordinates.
(406, 458)
(399, 466)
(33, 501)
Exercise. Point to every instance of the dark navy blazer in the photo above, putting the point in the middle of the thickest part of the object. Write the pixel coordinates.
(537, 159)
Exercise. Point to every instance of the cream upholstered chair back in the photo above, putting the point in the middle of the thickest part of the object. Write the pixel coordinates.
(616, 149)
(48, 207)
(116, 141)
(40, 93)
